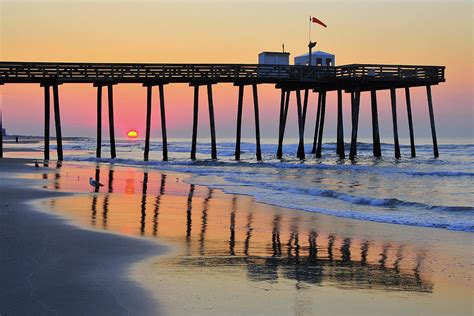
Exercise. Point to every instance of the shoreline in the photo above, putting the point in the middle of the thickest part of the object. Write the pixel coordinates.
(50, 265)
(210, 279)
(200, 178)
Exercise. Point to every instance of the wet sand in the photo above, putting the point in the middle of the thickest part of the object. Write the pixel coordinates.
(49, 266)
(231, 255)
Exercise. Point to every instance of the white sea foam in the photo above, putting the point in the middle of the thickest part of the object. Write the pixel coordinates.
(421, 192)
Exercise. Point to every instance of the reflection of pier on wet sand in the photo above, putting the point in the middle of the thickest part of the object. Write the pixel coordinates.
(217, 230)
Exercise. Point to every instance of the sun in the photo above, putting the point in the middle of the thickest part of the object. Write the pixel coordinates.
(132, 134)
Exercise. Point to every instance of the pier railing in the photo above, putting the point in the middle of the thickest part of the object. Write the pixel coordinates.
(139, 73)
(123, 73)
(390, 72)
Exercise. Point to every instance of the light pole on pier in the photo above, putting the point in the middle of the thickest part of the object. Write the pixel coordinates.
(311, 45)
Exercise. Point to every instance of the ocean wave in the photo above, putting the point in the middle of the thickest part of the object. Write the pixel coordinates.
(296, 164)
(429, 219)
(387, 166)
(353, 199)
(288, 183)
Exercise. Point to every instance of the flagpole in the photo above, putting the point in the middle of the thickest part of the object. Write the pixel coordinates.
(310, 44)
(309, 28)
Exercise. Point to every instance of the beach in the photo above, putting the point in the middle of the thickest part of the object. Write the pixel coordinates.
(237, 158)
(52, 266)
(225, 253)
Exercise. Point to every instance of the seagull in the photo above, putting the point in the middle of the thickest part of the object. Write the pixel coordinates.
(95, 183)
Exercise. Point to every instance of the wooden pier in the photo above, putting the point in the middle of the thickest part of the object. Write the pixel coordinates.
(353, 79)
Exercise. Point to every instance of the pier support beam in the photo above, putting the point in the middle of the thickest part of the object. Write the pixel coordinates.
(239, 122)
(305, 109)
(316, 127)
(300, 154)
(57, 123)
(98, 151)
(432, 122)
(340, 127)
(110, 91)
(321, 125)
(164, 136)
(149, 91)
(212, 122)
(355, 104)
(257, 122)
(196, 86)
(47, 118)
(283, 123)
(1, 132)
(195, 122)
(280, 124)
(410, 122)
(375, 125)
(305, 105)
(393, 97)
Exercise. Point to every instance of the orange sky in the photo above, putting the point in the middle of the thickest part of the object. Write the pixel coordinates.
(398, 32)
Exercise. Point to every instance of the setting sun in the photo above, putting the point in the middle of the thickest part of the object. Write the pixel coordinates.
(132, 134)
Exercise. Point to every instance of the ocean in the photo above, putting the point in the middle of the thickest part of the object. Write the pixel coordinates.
(422, 191)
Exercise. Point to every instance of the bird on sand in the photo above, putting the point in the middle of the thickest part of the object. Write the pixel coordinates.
(95, 183)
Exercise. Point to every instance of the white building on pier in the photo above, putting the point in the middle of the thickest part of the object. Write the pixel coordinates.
(318, 58)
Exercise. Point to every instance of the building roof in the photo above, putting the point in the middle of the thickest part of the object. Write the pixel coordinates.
(275, 53)
(317, 53)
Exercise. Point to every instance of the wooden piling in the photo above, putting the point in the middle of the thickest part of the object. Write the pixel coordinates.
(355, 102)
(98, 151)
(149, 90)
(321, 125)
(410, 122)
(432, 122)
(57, 123)
(352, 106)
(300, 154)
(110, 91)
(393, 97)
(375, 125)
(287, 106)
(163, 123)
(257, 122)
(47, 118)
(195, 122)
(212, 122)
(283, 125)
(305, 105)
(340, 126)
(305, 109)
(1, 133)
(280, 125)
(239, 122)
(316, 126)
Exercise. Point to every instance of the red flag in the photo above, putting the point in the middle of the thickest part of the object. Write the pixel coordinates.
(314, 20)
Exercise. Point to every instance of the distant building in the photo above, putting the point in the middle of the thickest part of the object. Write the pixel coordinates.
(274, 58)
(318, 58)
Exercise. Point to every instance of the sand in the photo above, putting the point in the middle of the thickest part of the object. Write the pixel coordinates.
(49, 266)
(227, 255)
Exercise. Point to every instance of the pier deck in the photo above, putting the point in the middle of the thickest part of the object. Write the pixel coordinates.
(353, 79)
(347, 76)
